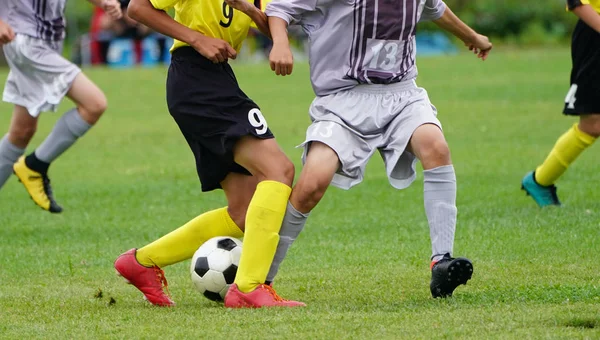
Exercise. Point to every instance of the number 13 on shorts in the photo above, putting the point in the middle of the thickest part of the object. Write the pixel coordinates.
(322, 129)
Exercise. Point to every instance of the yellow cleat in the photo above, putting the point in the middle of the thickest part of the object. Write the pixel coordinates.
(37, 185)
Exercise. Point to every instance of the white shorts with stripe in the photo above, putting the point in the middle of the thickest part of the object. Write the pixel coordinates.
(367, 118)
(39, 75)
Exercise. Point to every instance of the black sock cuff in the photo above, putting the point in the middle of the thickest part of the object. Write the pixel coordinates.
(36, 164)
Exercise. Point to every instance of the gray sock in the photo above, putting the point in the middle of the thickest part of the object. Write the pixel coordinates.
(293, 223)
(9, 154)
(64, 134)
(439, 186)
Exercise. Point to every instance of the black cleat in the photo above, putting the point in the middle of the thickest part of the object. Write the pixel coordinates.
(449, 273)
(54, 207)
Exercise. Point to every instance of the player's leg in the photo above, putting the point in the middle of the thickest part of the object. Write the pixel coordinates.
(13, 144)
(540, 183)
(429, 146)
(40, 77)
(318, 170)
(590, 124)
(91, 103)
(180, 244)
(581, 100)
(275, 172)
(333, 154)
(143, 267)
(439, 193)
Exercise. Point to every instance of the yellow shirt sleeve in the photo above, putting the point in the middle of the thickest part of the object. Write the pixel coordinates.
(572, 4)
(163, 4)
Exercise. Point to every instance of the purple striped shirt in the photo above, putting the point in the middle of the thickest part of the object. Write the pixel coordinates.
(355, 42)
(42, 19)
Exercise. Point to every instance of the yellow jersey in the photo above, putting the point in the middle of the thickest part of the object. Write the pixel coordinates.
(572, 4)
(213, 18)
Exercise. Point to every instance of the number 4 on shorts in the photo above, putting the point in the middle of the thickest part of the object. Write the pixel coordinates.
(570, 98)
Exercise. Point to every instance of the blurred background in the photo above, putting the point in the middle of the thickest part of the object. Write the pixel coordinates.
(94, 39)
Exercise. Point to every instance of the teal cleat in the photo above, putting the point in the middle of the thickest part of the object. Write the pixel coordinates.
(543, 196)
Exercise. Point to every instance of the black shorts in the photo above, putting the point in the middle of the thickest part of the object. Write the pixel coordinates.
(212, 112)
(584, 95)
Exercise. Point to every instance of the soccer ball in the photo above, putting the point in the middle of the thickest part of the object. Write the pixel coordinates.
(214, 266)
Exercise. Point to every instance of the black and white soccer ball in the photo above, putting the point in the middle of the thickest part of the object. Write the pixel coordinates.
(214, 266)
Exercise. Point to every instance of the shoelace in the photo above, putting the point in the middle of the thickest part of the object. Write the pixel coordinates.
(47, 187)
(273, 293)
(160, 278)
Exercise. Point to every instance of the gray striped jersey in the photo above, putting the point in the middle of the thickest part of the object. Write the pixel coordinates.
(355, 42)
(42, 19)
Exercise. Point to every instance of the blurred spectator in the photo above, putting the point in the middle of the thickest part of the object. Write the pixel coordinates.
(104, 31)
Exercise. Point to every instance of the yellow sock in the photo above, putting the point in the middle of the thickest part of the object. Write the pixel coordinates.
(263, 222)
(182, 243)
(565, 151)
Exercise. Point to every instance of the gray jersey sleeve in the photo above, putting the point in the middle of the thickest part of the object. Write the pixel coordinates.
(290, 10)
(433, 10)
(39, 19)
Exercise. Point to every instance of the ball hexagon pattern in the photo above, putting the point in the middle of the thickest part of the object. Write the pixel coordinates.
(214, 266)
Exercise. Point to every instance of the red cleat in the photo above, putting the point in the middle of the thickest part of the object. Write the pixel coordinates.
(149, 280)
(263, 296)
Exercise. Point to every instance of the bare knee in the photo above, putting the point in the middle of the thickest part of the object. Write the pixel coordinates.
(282, 171)
(590, 124)
(307, 194)
(93, 108)
(264, 159)
(288, 171)
(434, 154)
(430, 146)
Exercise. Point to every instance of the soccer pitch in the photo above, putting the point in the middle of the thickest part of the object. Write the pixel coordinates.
(361, 264)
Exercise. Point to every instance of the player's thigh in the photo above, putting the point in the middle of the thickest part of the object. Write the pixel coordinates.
(22, 127)
(88, 97)
(351, 150)
(264, 159)
(429, 146)
(239, 189)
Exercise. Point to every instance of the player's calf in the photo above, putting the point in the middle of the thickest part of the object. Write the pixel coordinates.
(22, 127)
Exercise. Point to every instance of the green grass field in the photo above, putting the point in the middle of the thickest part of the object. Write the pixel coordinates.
(361, 264)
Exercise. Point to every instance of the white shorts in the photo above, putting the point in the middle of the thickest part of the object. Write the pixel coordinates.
(39, 76)
(367, 118)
